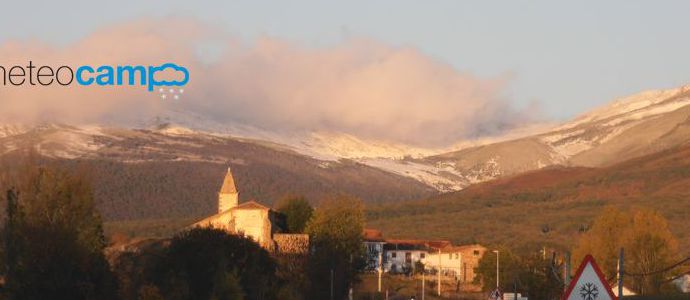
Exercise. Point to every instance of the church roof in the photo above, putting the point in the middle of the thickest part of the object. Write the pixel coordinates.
(228, 184)
(251, 205)
(246, 205)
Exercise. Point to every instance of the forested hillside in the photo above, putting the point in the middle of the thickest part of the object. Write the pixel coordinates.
(549, 207)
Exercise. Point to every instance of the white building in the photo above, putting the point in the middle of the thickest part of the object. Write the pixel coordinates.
(456, 261)
(683, 283)
(373, 244)
(402, 256)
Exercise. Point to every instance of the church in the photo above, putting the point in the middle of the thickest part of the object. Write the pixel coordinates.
(252, 219)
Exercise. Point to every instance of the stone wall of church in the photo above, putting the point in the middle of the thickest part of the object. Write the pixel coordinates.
(254, 223)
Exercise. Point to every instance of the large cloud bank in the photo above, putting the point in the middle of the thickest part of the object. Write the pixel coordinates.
(360, 86)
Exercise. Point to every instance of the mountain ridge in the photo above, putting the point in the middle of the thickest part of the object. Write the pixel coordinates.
(629, 127)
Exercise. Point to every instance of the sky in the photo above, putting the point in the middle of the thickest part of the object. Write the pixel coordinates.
(555, 57)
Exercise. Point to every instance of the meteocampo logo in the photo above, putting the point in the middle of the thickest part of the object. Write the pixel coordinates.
(151, 77)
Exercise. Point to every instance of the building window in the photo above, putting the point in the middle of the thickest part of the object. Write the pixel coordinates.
(450, 255)
(422, 255)
(456, 256)
(394, 255)
(476, 252)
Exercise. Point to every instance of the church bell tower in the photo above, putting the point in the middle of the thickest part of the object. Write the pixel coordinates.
(228, 197)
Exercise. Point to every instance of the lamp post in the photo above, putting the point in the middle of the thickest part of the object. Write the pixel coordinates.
(497, 269)
(438, 283)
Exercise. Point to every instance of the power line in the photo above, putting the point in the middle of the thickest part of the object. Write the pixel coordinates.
(677, 276)
(658, 271)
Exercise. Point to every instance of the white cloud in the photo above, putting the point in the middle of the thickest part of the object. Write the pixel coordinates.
(362, 87)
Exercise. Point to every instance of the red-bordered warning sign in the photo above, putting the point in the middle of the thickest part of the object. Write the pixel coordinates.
(589, 283)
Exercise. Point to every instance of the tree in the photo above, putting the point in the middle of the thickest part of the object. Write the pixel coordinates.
(648, 242)
(205, 263)
(532, 274)
(56, 239)
(486, 269)
(336, 237)
(297, 211)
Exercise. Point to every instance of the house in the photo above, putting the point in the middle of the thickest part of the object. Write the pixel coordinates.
(253, 220)
(682, 283)
(373, 245)
(448, 258)
(471, 254)
(456, 261)
(402, 256)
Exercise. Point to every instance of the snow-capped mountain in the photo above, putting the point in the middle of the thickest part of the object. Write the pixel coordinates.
(626, 128)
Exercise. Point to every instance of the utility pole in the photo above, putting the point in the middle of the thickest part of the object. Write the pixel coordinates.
(566, 270)
(380, 269)
(331, 283)
(497, 269)
(515, 297)
(620, 275)
(350, 290)
(423, 293)
(438, 284)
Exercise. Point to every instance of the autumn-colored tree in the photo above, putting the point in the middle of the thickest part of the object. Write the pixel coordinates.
(335, 231)
(648, 242)
(56, 239)
(604, 240)
(297, 211)
(486, 269)
(531, 275)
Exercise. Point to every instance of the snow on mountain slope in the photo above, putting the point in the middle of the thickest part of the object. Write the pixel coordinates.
(626, 128)
(627, 105)
(11, 129)
(443, 178)
(586, 138)
(58, 141)
(603, 124)
(401, 159)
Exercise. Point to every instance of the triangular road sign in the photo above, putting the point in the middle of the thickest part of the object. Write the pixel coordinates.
(495, 295)
(589, 283)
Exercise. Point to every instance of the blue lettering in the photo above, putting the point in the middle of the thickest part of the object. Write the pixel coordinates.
(80, 78)
(107, 78)
(131, 71)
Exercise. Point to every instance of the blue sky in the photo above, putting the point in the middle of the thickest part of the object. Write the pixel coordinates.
(567, 56)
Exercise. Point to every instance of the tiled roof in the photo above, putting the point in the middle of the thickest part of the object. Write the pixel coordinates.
(251, 205)
(372, 235)
(416, 244)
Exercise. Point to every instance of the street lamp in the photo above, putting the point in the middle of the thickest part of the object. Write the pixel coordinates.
(497, 273)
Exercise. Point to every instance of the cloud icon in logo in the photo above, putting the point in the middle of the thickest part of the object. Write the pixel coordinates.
(153, 83)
